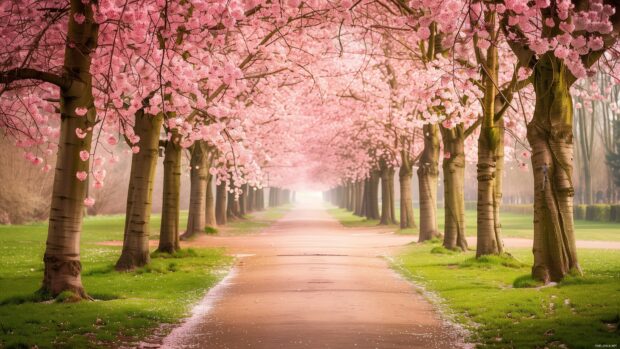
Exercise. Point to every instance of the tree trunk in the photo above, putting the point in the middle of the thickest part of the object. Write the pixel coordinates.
(251, 199)
(232, 209)
(490, 166)
(200, 163)
(349, 196)
(407, 219)
(243, 200)
(428, 172)
(260, 197)
(135, 251)
(373, 196)
(359, 198)
(454, 181)
(221, 204)
(387, 195)
(210, 220)
(62, 271)
(550, 134)
(169, 231)
(365, 194)
(490, 157)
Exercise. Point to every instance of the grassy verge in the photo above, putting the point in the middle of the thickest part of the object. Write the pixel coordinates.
(348, 219)
(513, 225)
(255, 222)
(129, 306)
(580, 312)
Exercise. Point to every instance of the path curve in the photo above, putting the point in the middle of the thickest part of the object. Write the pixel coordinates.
(308, 282)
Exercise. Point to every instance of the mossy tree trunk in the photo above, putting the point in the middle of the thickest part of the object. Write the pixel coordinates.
(551, 138)
(210, 220)
(359, 198)
(428, 173)
(364, 207)
(251, 199)
(454, 181)
(260, 199)
(373, 196)
(232, 209)
(221, 204)
(387, 195)
(405, 175)
(243, 200)
(62, 270)
(135, 252)
(169, 231)
(200, 162)
(490, 154)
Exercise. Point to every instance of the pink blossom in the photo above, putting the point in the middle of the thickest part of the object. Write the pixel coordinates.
(424, 33)
(80, 134)
(112, 140)
(595, 43)
(135, 149)
(567, 27)
(81, 175)
(549, 22)
(89, 202)
(84, 155)
(81, 111)
(79, 18)
(561, 52)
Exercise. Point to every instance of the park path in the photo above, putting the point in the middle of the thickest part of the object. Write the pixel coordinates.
(307, 282)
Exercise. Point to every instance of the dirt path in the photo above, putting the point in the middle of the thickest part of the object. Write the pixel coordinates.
(307, 282)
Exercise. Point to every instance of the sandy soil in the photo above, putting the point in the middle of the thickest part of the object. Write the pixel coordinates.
(307, 282)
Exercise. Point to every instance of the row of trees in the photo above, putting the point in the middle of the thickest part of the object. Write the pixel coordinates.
(262, 92)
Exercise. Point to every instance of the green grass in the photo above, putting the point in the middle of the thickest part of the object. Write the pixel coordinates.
(513, 225)
(255, 222)
(497, 299)
(348, 219)
(129, 305)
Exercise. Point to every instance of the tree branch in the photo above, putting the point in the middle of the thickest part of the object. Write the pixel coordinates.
(9, 76)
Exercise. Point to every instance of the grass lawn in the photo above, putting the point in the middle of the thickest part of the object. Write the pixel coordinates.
(129, 306)
(580, 312)
(254, 222)
(513, 225)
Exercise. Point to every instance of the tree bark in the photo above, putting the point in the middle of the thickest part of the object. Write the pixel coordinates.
(135, 251)
(405, 174)
(243, 200)
(428, 172)
(251, 199)
(260, 199)
(221, 204)
(454, 181)
(232, 210)
(550, 134)
(365, 194)
(62, 270)
(373, 196)
(359, 198)
(210, 220)
(387, 195)
(490, 166)
(169, 231)
(200, 163)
